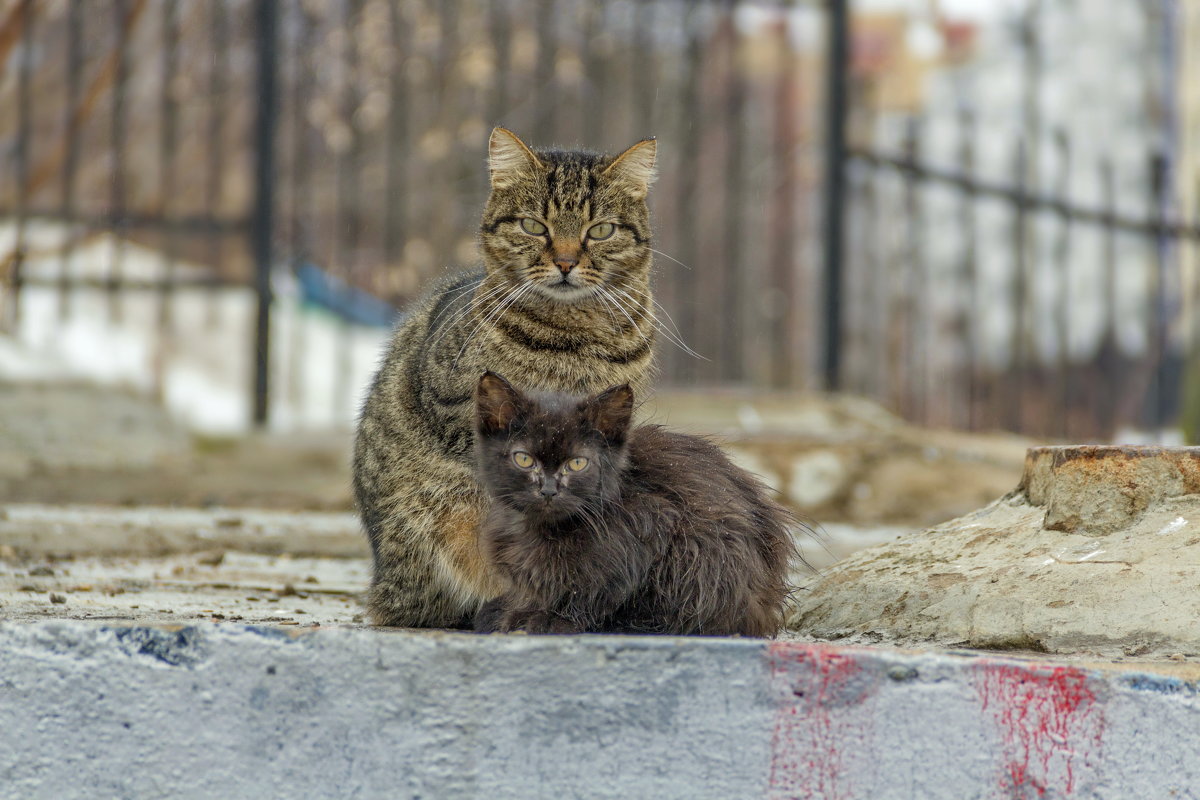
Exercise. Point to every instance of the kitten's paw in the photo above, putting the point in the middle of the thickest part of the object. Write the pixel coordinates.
(552, 623)
(490, 617)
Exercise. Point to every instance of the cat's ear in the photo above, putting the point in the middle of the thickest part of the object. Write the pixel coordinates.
(497, 403)
(635, 167)
(610, 412)
(509, 159)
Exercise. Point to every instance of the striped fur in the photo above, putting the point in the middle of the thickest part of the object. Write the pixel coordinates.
(521, 315)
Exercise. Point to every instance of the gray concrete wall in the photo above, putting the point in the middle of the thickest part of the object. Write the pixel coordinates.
(230, 711)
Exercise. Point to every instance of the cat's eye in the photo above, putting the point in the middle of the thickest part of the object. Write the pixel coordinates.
(522, 459)
(577, 464)
(532, 226)
(601, 230)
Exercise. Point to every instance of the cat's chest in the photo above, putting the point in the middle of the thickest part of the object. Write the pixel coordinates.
(578, 372)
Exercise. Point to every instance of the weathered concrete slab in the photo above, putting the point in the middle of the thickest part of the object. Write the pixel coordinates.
(74, 425)
(1097, 551)
(30, 530)
(184, 588)
(229, 711)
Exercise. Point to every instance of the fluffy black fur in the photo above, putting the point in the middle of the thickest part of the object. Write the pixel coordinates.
(660, 532)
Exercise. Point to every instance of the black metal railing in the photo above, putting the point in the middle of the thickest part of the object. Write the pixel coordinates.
(242, 140)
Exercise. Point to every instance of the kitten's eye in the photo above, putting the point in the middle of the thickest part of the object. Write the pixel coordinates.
(601, 230)
(522, 459)
(532, 226)
(577, 464)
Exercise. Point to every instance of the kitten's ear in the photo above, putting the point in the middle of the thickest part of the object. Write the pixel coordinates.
(509, 159)
(610, 412)
(635, 167)
(497, 403)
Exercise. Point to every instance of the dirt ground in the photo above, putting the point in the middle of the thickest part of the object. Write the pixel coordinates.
(109, 511)
(179, 566)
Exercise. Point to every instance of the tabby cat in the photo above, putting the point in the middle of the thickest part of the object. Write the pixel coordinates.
(562, 303)
(597, 527)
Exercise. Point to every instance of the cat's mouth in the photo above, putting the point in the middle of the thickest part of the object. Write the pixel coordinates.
(565, 291)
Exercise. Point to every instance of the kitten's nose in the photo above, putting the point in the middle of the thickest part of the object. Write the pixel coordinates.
(549, 489)
(565, 262)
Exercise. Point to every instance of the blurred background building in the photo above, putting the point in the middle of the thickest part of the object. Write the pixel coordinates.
(222, 203)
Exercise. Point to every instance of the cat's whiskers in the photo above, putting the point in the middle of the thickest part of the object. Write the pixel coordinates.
(510, 299)
(673, 258)
(481, 312)
(621, 306)
(471, 286)
(674, 338)
(646, 293)
(597, 291)
(673, 334)
(608, 302)
(473, 304)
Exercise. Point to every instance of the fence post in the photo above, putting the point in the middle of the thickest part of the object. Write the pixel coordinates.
(266, 13)
(836, 68)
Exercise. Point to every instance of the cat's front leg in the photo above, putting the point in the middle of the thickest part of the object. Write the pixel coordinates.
(496, 617)
(502, 615)
(490, 616)
(546, 622)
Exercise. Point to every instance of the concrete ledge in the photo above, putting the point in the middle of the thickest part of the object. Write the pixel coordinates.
(31, 530)
(230, 711)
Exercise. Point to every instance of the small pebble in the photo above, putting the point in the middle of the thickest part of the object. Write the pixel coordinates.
(211, 559)
(57, 598)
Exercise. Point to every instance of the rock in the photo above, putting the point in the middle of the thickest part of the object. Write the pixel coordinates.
(1096, 551)
(817, 477)
(838, 458)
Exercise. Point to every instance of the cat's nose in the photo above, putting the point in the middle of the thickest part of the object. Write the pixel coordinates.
(565, 263)
(549, 489)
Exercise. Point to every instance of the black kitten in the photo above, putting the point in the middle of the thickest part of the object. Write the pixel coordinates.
(596, 527)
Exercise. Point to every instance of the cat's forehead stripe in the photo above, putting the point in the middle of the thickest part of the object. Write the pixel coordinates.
(571, 177)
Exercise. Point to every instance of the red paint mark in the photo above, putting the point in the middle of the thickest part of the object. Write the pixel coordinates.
(816, 689)
(1050, 726)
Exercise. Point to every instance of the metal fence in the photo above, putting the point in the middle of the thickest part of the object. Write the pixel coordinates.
(1050, 291)
(333, 153)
